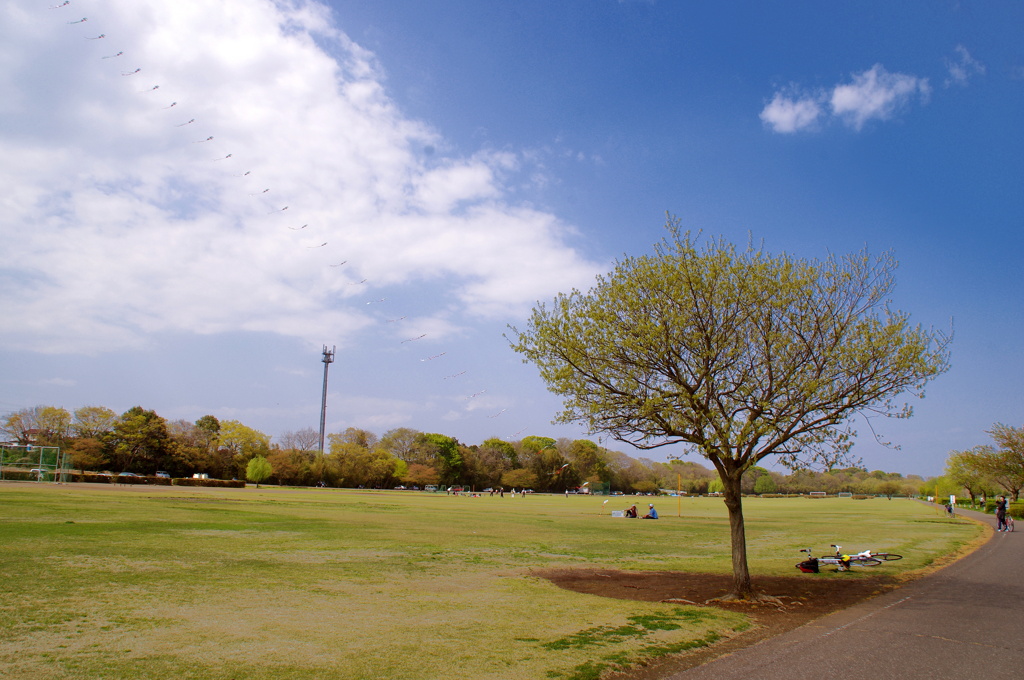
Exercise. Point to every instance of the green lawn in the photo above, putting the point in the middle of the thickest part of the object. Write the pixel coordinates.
(168, 582)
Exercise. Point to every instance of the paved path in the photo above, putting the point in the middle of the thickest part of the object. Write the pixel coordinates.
(964, 621)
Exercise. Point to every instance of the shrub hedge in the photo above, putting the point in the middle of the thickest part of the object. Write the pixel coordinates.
(100, 478)
(191, 481)
(19, 475)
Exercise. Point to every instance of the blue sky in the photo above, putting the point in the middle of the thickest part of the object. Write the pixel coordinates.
(199, 200)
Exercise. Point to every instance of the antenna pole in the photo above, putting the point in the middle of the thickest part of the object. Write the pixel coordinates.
(328, 359)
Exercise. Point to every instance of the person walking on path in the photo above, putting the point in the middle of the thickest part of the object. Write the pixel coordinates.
(1001, 514)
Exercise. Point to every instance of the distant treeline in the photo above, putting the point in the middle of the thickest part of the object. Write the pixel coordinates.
(143, 442)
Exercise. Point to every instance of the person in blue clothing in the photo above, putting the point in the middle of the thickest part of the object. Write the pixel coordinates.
(651, 512)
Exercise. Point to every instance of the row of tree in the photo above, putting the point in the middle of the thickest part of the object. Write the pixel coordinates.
(141, 441)
(988, 469)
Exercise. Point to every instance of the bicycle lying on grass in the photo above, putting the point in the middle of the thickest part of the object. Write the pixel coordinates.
(812, 565)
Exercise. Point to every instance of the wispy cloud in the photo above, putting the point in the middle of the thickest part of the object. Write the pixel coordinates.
(200, 168)
(963, 67)
(875, 94)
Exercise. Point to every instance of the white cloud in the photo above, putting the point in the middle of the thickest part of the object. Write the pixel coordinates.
(121, 217)
(963, 67)
(874, 94)
(783, 114)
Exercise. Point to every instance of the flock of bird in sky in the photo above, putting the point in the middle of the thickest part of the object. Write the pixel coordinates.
(137, 73)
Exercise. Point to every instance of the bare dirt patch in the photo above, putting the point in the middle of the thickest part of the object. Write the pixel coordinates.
(803, 599)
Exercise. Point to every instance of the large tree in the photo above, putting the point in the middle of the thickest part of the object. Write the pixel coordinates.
(738, 354)
(446, 452)
(41, 425)
(1005, 464)
(140, 440)
(404, 443)
(236, 444)
(306, 439)
(20, 426)
(967, 469)
(93, 421)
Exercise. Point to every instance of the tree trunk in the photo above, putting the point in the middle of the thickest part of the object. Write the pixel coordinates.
(741, 588)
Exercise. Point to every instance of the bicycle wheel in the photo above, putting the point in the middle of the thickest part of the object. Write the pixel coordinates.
(888, 557)
(867, 561)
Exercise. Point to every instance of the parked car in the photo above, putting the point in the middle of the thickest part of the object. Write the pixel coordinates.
(127, 474)
(162, 474)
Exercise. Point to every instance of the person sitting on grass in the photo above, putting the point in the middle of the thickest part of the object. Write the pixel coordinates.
(631, 511)
(651, 512)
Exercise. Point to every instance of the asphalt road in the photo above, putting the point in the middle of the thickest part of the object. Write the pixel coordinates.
(964, 621)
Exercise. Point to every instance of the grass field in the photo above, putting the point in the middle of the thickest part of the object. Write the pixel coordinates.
(167, 582)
